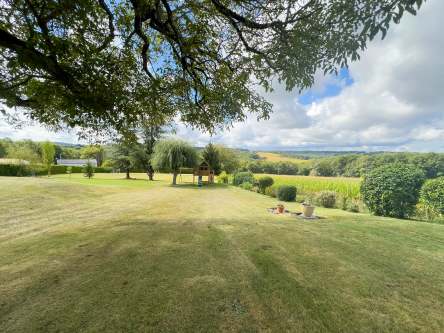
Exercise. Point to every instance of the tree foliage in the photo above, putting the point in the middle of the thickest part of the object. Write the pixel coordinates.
(88, 170)
(2, 150)
(211, 155)
(150, 134)
(356, 165)
(277, 168)
(229, 159)
(432, 195)
(104, 63)
(171, 155)
(25, 150)
(392, 190)
(48, 153)
(124, 155)
(93, 152)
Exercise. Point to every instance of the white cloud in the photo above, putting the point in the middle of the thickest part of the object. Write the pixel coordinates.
(395, 103)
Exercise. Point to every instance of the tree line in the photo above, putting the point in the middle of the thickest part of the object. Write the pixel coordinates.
(432, 164)
(349, 165)
(148, 150)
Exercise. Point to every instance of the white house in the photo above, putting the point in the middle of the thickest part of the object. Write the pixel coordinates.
(93, 161)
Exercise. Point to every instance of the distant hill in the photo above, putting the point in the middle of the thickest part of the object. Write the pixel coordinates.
(311, 154)
(70, 145)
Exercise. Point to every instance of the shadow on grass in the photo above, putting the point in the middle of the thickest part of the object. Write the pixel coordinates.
(203, 187)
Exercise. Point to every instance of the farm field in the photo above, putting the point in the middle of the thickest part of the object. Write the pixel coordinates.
(117, 255)
(349, 187)
(275, 157)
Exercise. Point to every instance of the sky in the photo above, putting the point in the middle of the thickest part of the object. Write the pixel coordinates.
(392, 99)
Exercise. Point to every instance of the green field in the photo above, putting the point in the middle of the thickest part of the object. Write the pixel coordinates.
(348, 187)
(275, 157)
(111, 255)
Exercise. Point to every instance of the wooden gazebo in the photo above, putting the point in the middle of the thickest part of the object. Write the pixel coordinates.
(204, 170)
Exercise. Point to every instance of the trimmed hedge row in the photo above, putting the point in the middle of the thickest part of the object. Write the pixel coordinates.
(15, 170)
(21, 170)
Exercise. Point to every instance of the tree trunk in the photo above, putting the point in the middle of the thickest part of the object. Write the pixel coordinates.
(150, 173)
(174, 178)
(128, 174)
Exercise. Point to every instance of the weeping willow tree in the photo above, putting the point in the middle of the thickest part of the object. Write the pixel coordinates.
(171, 155)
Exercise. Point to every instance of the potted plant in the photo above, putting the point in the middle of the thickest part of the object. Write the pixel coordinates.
(307, 209)
(280, 208)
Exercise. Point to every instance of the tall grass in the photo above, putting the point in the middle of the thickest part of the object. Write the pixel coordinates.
(347, 187)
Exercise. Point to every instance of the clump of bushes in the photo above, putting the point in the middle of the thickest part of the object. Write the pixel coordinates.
(432, 198)
(286, 193)
(246, 186)
(243, 177)
(264, 182)
(326, 199)
(88, 170)
(392, 190)
(222, 178)
(353, 205)
(270, 191)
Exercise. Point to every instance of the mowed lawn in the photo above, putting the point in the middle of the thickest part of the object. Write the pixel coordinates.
(111, 255)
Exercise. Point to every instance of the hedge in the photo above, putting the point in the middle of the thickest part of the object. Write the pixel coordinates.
(14, 170)
(20, 170)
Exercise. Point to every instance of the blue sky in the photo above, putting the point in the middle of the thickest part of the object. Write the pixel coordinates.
(331, 89)
(389, 100)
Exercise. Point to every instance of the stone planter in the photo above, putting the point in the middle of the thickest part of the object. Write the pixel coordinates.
(307, 210)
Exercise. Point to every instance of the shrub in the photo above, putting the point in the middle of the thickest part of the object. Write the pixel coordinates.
(108, 164)
(264, 182)
(270, 191)
(246, 186)
(326, 199)
(353, 205)
(222, 178)
(243, 177)
(432, 195)
(392, 189)
(286, 193)
(256, 189)
(425, 212)
(88, 170)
